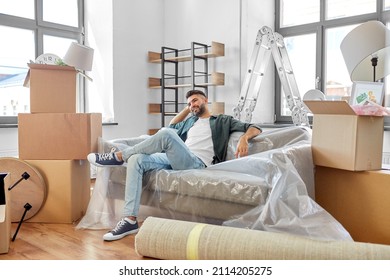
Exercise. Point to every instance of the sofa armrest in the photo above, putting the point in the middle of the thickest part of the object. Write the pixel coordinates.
(268, 140)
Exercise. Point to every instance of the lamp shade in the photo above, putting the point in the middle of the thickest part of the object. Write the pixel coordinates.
(79, 56)
(368, 40)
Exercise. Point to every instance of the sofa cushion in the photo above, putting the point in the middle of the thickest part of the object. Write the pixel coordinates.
(213, 184)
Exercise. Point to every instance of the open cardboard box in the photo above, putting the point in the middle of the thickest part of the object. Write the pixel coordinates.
(342, 139)
(52, 88)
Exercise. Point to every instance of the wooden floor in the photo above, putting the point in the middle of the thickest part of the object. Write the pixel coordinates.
(43, 241)
(40, 241)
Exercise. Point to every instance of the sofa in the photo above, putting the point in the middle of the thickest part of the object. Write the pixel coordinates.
(272, 189)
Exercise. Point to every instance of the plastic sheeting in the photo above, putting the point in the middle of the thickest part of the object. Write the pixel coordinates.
(288, 208)
(272, 189)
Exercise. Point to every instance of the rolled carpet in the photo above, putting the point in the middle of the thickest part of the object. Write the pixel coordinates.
(180, 240)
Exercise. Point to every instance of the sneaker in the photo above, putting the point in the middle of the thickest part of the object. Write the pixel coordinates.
(106, 159)
(122, 229)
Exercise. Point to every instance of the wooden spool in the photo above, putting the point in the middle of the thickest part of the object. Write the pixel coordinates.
(32, 191)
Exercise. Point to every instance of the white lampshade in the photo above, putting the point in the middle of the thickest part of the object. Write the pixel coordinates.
(79, 56)
(360, 45)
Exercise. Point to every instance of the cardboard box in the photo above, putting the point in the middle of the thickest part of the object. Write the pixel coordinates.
(359, 200)
(342, 139)
(5, 213)
(58, 135)
(52, 88)
(68, 190)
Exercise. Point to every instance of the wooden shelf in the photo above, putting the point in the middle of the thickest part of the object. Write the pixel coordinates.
(171, 81)
(154, 108)
(154, 57)
(217, 49)
(216, 79)
(154, 82)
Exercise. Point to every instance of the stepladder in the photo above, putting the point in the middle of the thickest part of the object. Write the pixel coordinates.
(269, 44)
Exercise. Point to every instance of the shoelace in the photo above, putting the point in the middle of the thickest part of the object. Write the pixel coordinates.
(107, 156)
(119, 225)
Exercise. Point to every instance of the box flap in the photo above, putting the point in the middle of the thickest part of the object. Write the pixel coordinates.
(40, 66)
(50, 67)
(340, 107)
(26, 82)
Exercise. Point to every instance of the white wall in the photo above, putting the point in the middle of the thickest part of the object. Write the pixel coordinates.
(99, 36)
(206, 21)
(138, 27)
(142, 26)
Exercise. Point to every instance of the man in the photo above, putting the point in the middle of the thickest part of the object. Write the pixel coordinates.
(190, 142)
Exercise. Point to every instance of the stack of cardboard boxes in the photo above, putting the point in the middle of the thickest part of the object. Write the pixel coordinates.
(349, 181)
(56, 140)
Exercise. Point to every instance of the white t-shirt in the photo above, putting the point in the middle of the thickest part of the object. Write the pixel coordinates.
(199, 140)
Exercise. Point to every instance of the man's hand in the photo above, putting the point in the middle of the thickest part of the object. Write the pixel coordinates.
(242, 146)
(181, 115)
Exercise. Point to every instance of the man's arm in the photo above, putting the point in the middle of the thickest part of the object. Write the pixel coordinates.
(180, 116)
(242, 146)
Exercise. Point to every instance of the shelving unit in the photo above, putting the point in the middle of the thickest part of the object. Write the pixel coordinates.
(170, 81)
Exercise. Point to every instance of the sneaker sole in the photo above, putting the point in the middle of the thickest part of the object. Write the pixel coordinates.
(101, 165)
(120, 236)
(95, 164)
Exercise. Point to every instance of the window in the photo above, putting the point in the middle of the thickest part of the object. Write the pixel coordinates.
(14, 9)
(14, 55)
(61, 12)
(33, 27)
(309, 11)
(347, 8)
(301, 50)
(313, 38)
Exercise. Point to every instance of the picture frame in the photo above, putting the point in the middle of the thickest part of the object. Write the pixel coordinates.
(366, 92)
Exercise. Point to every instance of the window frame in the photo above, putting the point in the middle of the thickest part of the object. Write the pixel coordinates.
(319, 28)
(41, 28)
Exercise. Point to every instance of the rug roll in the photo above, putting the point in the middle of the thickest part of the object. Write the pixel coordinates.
(180, 240)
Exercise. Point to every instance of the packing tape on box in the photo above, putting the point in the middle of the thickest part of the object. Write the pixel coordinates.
(179, 240)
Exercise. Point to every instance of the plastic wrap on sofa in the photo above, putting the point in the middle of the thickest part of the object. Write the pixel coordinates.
(272, 189)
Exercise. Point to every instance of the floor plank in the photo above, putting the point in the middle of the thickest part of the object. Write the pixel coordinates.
(41, 241)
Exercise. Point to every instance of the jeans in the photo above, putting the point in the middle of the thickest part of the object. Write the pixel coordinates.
(164, 150)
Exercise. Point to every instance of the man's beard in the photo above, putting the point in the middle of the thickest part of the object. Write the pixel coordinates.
(201, 111)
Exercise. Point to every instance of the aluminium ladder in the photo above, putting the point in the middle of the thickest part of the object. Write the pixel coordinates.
(267, 43)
